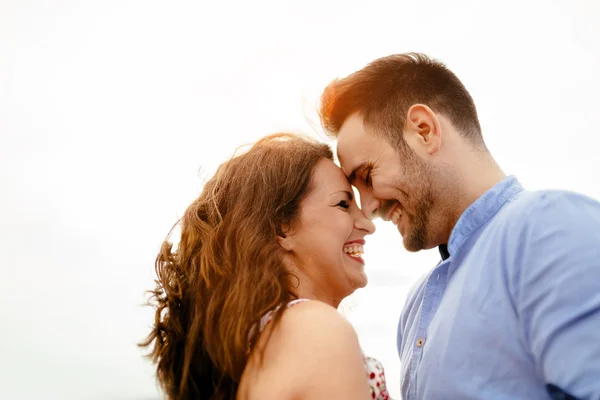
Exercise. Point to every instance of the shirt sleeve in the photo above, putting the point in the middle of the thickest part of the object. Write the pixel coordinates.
(558, 291)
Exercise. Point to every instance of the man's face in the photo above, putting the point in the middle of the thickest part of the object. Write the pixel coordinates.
(395, 185)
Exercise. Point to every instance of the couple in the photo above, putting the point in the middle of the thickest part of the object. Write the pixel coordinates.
(246, 304)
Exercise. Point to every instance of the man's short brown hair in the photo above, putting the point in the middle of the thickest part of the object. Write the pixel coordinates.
(383, 91)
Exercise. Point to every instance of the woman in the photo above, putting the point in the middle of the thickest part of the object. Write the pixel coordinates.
(275, 227)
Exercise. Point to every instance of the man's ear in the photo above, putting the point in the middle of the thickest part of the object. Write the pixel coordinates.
(423, 129)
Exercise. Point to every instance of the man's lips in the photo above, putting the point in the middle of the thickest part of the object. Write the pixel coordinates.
(388, 216)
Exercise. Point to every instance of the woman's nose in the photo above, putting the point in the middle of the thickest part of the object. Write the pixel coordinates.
(362, 223)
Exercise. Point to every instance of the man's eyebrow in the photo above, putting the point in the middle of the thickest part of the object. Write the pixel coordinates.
(352, 176)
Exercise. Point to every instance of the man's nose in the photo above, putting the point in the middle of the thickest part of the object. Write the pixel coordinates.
(369, 204)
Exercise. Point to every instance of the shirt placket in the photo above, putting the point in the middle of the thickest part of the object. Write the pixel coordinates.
(434, 289)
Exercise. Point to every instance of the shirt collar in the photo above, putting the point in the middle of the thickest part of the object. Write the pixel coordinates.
(479, 213)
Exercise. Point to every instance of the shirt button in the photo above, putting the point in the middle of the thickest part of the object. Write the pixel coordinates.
(420, 342)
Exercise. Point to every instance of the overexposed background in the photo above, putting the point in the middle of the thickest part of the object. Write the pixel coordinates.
(108, 109)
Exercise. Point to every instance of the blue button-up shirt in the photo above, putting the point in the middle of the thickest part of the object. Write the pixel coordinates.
(516, 305)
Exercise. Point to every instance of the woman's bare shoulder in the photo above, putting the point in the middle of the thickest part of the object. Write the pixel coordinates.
(312, 343)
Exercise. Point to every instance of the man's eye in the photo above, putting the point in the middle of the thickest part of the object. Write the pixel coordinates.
(343, 204)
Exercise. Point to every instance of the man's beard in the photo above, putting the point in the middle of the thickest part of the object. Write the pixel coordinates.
(422, 194)
(416, 236)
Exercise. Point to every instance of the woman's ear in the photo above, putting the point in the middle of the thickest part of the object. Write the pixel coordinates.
(285, 241)
(285, 238)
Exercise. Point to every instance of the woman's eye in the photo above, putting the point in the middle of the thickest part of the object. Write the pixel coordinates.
(343, 204)
(368, 179)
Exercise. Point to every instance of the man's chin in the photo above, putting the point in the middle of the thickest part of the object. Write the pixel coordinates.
(410, 248)
(408, 238)
(412, 244)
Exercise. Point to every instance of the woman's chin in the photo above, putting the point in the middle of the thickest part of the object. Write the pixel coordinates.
(360, 281)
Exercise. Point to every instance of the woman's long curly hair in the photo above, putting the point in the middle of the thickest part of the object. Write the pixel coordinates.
(227, 270)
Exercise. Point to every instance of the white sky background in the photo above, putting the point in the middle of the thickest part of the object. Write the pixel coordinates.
(108, 109)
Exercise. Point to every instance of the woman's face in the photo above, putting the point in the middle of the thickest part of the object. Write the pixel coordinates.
(326, 241)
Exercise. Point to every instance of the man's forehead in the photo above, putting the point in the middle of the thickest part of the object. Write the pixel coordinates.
(346, 158)
(351, 144)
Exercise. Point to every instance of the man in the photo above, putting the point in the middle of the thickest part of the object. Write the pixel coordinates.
(513, 309)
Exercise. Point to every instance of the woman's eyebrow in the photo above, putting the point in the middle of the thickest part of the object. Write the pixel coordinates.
(350, 195)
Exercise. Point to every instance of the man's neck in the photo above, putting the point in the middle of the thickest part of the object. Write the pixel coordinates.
(469, 179)
(477, 173)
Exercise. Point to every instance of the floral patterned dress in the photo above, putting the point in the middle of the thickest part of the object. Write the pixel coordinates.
(373, 367)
